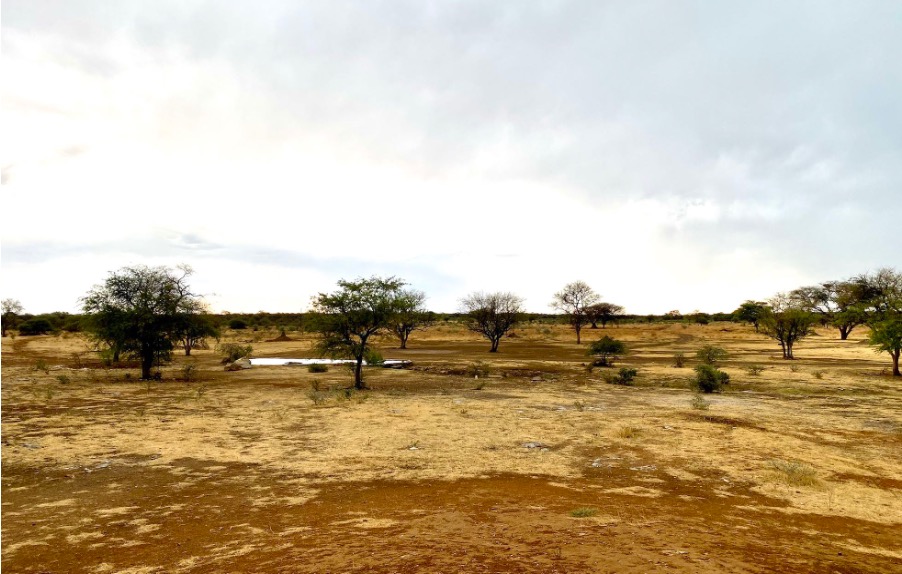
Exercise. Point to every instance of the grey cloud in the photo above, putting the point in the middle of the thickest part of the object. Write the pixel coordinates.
(794, 104)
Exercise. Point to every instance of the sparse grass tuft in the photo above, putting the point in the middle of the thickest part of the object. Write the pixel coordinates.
(679, 360)
(41, 365)
(754, 370)
(818, 375)
(584, 512)
(699, 403)
(794, 368)
(794, 473)
(629, 432)
(477, 369)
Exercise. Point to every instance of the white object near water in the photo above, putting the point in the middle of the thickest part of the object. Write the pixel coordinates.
(279, 362)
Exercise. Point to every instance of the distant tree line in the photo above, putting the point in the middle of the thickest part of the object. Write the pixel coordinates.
(146, 312)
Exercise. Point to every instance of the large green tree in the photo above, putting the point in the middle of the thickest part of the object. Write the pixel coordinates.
(603, 312)
(787, 322)
(751, 312)
(840, 304)
(347, 318)
(139, 311)
(410, 315)
(883, 295)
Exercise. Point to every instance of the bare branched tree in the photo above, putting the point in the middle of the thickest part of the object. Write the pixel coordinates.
(574, 299)
(492, 314)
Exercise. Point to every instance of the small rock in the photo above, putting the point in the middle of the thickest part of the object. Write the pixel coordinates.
(535, 444)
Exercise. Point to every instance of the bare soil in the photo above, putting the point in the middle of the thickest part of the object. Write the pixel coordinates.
(540, 467)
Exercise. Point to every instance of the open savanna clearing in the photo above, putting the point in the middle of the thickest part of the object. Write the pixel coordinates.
(539, 467)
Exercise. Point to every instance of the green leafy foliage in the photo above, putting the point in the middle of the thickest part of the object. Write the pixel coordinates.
(607, 350)
(709, 379)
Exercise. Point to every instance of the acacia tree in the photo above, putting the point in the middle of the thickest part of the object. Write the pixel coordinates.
(603, 313)
(883, 301)
(410, 315)
(573, 300)
(492, 314)
(138, 311)
(346, 319)
(11, 309)
(785, 321)
(194, 328)
(838, 303)
(751, 312)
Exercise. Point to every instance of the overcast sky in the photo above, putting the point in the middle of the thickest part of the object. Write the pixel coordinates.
(673, 155)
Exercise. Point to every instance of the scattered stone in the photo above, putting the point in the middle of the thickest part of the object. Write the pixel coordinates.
(536, 380)
(645, 468)
(535, 444)
(31, 445)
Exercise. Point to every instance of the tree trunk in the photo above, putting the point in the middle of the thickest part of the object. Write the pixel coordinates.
(358, 374)
(789, 352)
(115, 353)
(403, 337)
(896, 372)
(844, 333)
(578, 329)
(495, 342)
(187, 350)
(146, 366)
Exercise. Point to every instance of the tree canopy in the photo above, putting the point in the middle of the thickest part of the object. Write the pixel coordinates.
(139, 311)
(573, 300)
(347, 318)
(492, 315)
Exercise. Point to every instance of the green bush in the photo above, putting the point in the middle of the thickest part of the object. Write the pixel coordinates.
(624, 376)
(606, 349)
(711, 355)
(238, 324)
(709, 379)
(35, 327)
(231, 352)
(373, 358)
(318, 368)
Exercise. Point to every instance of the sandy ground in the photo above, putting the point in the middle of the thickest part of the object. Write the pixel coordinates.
(539, 467)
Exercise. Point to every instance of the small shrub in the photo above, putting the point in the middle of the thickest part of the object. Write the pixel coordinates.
(188, 373)
(373, 357)
(318, 397)
(754, 370)
(607, 350)
(818, 375)
(794, 473)
(624, 376)
(795, 368)
(478, 369)
(679, 360)
(711, 355)
(231, 352)
(63, 379)
(579, 405)
(41, 365)
(316, 385)
(709, 379)
(318, 368)
(699, 403)
(583, 512)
